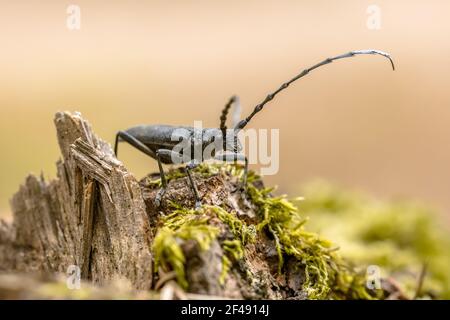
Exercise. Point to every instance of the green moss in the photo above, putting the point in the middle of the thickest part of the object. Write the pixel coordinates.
(327, 275)
(204, 169)
(187, 224)
(398, 236)
(233, 249)
(395, 236)
(238, 228)
(181, 225)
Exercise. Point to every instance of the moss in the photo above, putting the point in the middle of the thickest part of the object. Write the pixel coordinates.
(233, 249)
(286, 225)
(204, 169)
(187, 224)
(398, 236)
(238, 228)
(367, 231)
(324, 270)
(181, 225)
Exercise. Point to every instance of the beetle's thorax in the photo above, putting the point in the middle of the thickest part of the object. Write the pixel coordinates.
(214, 141)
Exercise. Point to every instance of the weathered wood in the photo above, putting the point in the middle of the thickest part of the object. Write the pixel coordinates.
(87, 212)
(97, 216)
(92, 215)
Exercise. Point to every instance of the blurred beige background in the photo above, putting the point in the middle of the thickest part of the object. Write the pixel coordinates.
(354, 122)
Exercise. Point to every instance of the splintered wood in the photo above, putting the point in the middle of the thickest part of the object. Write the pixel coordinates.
(92, 215)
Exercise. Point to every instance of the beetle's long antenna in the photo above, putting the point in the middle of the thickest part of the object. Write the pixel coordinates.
(236, 115)
(223, 116)
(272, 95)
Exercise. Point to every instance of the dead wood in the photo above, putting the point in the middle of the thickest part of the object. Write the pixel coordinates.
(98, 217)
(92, 215)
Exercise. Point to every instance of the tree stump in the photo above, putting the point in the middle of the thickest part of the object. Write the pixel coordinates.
(97, 216)
(92, 216)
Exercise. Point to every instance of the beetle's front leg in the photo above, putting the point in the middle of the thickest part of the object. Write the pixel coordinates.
(190, 166)
(161, 153)
(233, 157)
(176, 158)
(145, 149)
(162, 191)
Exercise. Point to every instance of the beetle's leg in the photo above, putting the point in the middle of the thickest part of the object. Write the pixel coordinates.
(191, 165)
(116, 143)
(142, 147)
(134, 142)
(163, 189)
(159, 154)
(233, 157)
(178, 158)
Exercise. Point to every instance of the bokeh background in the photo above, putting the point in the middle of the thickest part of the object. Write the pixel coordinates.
(354, 122)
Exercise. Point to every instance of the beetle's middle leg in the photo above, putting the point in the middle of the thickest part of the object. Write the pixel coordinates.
(191, 165)
(163, 189)
(178, 158)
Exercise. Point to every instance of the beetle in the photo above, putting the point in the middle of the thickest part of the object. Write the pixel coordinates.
(161, 142)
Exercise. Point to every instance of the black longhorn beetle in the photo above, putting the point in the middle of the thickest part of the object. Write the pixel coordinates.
(157, 141)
